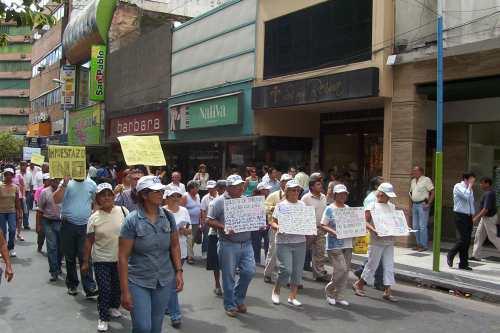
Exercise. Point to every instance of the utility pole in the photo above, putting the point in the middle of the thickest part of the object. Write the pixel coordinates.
(438, 201)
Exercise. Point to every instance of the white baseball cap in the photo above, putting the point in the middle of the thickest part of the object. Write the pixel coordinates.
(211, 184)
(46, 176)
(387, 189)
(285, 177)
(263, 186)
(234, 180)
(340, 188)
(104, 186)
(150, 182)
(292, 184)
(171, 190)
(9, 170)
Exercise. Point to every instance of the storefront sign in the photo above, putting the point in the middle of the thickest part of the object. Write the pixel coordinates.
(217, 111)
(348, 85)
(85, 126)
(68, 78)
(83, 87)
(97, 71)
(144, 123)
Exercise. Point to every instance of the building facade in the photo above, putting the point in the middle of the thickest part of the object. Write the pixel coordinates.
(15, 72)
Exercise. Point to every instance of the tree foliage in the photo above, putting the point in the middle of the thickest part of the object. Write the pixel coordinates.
(24, 13)
(11, 147)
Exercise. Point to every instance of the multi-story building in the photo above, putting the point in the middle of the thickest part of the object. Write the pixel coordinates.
(15, 72)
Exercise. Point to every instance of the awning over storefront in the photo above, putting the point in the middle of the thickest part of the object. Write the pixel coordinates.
(89, 27)
(38, 130)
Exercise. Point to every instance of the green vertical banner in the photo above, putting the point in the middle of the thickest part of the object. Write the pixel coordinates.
(97, 72)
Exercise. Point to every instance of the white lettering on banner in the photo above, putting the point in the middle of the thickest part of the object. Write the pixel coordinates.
(297, 220)
(213, 112)
(244, 214)
(390, 223)
(350, 222)
(136, 126)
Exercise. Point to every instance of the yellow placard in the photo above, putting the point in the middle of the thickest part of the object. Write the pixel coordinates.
(67, 161)
(142, 150)
(37, 159)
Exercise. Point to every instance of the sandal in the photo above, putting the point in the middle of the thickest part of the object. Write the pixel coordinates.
(20, 238)
(390, 298)
(357, 291)
(190, 261)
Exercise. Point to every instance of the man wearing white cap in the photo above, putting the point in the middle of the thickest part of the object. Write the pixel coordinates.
(272, 200)
(235, 251)
(10, 208)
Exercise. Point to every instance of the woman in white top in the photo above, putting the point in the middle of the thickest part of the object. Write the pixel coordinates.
(381, 248)
(173, 197)
(103, 231)
(290, 249)
(202, 178)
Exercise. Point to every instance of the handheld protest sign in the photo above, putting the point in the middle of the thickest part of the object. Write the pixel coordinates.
(142, 150)
(37, 159)
(67, 161)
(244, 214)
(350, 222)
(297, 220)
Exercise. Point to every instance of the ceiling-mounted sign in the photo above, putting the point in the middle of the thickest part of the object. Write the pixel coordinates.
(97, 72)
(68, 79)
(216, 111)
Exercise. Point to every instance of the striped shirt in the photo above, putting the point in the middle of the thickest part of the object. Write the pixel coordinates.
(463, 199)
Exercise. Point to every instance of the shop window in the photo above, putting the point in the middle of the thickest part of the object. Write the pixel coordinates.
(329, 34)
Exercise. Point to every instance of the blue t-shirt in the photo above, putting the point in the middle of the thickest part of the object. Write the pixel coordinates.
(77, 202)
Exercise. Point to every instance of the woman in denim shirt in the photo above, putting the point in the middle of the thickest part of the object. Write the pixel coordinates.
(149, 258)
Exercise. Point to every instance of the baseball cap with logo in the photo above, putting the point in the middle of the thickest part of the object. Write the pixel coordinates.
(150, 182)
(171, 190)
(340, 188)
(9, 170)
(285, 177)
(292, 184)
(387, 189)
(234, 180)
(104, 186)
(263, 186)
(211, 184)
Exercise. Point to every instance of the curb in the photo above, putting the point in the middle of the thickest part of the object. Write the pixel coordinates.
(481, 290)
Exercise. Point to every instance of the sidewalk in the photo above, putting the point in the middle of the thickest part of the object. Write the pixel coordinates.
(416, 267)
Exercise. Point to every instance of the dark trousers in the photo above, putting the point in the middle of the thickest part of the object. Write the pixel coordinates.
(72, 241)
(463, 223)
(257, 237)
(40, 239)
(106, 275)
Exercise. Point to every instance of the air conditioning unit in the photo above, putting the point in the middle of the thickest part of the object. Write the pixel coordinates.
(22, 111)
(41, 68)
(13, 129)
(22, 93)
(23, 56)
(27, 38)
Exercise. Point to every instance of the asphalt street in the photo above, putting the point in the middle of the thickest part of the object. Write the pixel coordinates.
(30, 303)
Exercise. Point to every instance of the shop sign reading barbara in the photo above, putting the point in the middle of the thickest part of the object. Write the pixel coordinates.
(97, 71)
(210, 112)
(144, 123)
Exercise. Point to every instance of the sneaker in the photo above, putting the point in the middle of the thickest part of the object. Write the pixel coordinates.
(115, 313)
(331, 300)
(53, 277)
(93, 294)
(232, 313)
(275, 298)
(294, 302)
(176, 323)
(72, 291)
(12, 254)
(218, 292)
(268, 279)
(204, 255)
(102, 326)
(343, 302)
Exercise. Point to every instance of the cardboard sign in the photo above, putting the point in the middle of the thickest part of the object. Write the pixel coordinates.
(297, 220)
(67, 161)
(244, 214)
(142, 150)
(350, 222)
(390, 222)
(37, 159)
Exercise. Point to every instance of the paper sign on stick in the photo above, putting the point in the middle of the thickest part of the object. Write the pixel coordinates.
(142, 150)
(244, 214)
(297, 220)
(37, 159)
(390, 223)
(67, 161)
(350, 222)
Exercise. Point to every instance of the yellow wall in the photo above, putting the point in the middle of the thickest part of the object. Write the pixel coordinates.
(383, 30)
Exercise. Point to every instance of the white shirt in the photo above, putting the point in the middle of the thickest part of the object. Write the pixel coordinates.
(181, 220)
(37, 178)
(92, 172)
(421, 188)
(205, 202)
(463, 199)
(28, 180)
(181, 186)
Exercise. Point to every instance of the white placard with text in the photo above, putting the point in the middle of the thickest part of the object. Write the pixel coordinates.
(244, 214)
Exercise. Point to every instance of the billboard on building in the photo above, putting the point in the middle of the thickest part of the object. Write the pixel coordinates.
(85, 126)
(97, 72)
(68, 92)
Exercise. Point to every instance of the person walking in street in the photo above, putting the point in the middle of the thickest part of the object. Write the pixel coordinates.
(77, 197)
(234, 249)
(258, 236)
(191, 200)
(301, 177)
(4, 253)
(19, 181)
(421, 197)
(124, 196)
(173, 197)
(271, 202)
(149, 258)
(202, 178)
(10, 208)
(212, 238)
(103, 230)
(290, 249)
(176, 181)
(339, 250)
(48, 218)
(315, 198)
(463, 207)
(251, 181)
(381, 248)
(37, 193)
(273, 180)
(487, 218)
